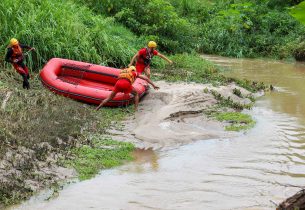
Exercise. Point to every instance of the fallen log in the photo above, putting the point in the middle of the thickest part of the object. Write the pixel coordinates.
(295, 202)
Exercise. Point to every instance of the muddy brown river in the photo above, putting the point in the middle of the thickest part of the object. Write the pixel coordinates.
(251, 170)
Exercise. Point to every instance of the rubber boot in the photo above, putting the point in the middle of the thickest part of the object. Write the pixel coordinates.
(25, 84)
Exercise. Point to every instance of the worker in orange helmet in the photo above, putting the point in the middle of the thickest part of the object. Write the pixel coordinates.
(144, 56)
(15, 56)
(124, 84)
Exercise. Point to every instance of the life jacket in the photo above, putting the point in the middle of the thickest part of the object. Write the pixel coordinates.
(147, 57)
(127, 74)
(17, 52)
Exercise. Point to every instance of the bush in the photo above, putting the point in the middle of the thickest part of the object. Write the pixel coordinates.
(249, 30)
(299, 52)
(151, 18)
(244, 28)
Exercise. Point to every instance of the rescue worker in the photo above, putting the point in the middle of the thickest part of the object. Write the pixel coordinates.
(124, 84)
(15, 56)
(143, 58)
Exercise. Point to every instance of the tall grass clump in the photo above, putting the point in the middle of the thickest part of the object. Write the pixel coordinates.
(64, 29)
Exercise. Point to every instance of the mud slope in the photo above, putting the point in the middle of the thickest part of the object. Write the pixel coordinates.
(174, 115)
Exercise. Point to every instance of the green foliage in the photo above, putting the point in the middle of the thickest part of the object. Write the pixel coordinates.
(299, 52)
(249, 30)
(298, 12)
(104, 153)
(238, 28)
(154, 19)
(196, 11)
(282, 3)
(238, 121)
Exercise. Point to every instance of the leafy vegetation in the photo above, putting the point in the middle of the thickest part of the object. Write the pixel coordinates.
(241, 28)
(110, 32)
(299, 52)
(298, 12)
(250, 29)
(238, 121)
(153, 19)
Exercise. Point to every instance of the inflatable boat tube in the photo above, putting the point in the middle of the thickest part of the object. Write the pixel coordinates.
(86, 82)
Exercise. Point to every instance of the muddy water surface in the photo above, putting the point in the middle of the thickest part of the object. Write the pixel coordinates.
(251, 170)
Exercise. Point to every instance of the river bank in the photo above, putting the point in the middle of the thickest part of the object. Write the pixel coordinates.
(39, 132)
(38, 141)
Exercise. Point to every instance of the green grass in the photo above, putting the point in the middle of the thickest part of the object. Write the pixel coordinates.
(238, 121)
(103, 153)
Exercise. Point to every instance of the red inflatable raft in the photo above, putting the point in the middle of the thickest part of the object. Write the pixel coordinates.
(86, 82)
